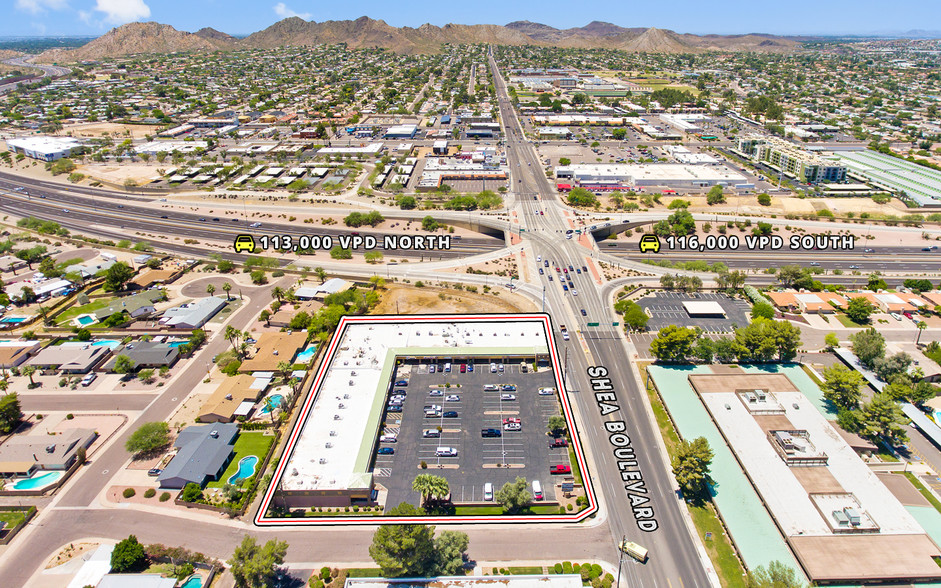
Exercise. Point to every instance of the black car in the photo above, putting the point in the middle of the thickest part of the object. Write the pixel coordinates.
(164, 216)
(491, 433)
(154, 472)
(584, 313)
(400, 391)
(394, 408)
(402, 383)
(450, 414)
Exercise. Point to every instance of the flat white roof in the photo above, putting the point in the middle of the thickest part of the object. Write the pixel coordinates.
(351, 395)
(46, 145)
(783, 494)
(694, 307)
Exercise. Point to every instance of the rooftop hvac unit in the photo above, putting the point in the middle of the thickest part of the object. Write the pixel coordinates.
(214, 434)
(294, 472)
(323, 460)
(336, 417)
(346, 397)
(333, 433)
(328, 445)
(50, 448)
(228, 397)
(342, 405)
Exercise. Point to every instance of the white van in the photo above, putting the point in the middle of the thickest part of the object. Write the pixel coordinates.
(446, 452)
(447, 368)
(488, 491)
(493, 368)
(537, 490)
(546, 391)
(491, 387)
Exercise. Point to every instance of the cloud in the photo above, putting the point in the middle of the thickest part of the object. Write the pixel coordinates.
(282, 10)
(37, 6)
(121, 12)
(85, 16)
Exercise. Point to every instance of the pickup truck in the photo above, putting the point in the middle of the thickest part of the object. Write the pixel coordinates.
(565, 332)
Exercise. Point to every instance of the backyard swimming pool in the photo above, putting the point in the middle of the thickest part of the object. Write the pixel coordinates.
(276, 400)
(246, 469)
(85, 320)
(304, 356)
(13, 320)
(176, 343)
(39, 479)
(111, 343)
(194, 581)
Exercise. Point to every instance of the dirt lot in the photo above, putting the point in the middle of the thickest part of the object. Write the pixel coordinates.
(113, 129)
(399, 299)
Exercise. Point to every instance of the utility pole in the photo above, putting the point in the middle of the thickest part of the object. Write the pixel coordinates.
(620, 559)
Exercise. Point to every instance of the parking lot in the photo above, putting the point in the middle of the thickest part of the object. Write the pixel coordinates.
(479, 459)
(666, 308)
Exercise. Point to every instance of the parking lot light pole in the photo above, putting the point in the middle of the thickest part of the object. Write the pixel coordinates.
(620, 559)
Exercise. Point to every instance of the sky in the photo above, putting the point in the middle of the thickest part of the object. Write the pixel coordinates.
(238, 17)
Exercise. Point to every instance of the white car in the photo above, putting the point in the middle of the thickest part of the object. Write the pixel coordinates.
(452, 398)
(546, 391)
(446, 452)
(436, 393)
(387, 439)
(88, 379)
(430, 433)
(508, 397)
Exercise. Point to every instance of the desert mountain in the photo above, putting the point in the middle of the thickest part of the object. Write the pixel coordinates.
(366, 32)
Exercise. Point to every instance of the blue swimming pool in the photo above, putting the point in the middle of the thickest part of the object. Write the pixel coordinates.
(13, 319)
(176, 343)
(193, 582)
(246, 469)
(276, 400)
(85, 320)
(304, 356)
(37, 480)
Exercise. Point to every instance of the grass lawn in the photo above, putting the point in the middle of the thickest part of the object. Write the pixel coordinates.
(848, 322)
(576, 473)
(248, 443)
(731, 573)
(884, 455)
(525, 570)
(812, 375)
(479, 510)
(363, 573)
(12, 518)
(921, 488)
(75, 311)
(934, 356)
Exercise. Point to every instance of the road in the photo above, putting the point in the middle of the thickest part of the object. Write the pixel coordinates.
(47, 71)
(674, 560)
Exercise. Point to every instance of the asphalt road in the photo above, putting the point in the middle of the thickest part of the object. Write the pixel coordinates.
(674, 560)
(47, 71)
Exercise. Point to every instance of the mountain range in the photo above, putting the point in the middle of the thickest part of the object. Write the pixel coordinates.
(151, 37)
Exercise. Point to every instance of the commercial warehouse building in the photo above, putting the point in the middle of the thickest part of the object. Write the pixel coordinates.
(329, 461)
(803, 166)
(911, 181)
(44, 148)
(654, 174)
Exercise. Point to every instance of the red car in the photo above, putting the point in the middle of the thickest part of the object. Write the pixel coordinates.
(560, 469)
(511, 420)
(559, 443)
(463, 367)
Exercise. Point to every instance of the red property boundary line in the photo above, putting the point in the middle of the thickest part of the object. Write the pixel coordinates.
(263, 521)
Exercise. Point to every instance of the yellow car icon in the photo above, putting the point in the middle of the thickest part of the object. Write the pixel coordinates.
(650, 243)
(244, 243)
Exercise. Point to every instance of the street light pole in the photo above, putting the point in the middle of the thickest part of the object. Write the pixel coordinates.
(620, 559)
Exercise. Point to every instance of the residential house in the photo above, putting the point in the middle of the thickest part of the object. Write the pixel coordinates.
(234, 397)
(71, 359)
(203, 452)
(21, 455)
(321, 291)
(14, 353)
(272, 349)
(283, 317)
(193, 315)
(136, 305)
(146, 355)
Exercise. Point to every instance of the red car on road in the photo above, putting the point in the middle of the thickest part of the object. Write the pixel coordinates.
(560, 469)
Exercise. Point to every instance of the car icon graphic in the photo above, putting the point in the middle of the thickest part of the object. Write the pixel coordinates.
(244, 243)
(650, 243)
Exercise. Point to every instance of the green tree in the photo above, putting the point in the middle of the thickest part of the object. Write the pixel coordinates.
(514, 496)
(775, 575)
(407, 202)
(118, 275)
(859, 309)
(123, 364)
(450, 552)
(227, 287)
(556, 425)
(581, 197)
(768, 340)
(889, 367)
(635, 317)
(255, 566)
(832, 341)
(842, 386)
(868, 345)
(430, 487)
(258, 277)
(404, 550)
(674, 343)
(691, 466)
(321, 273)
(763, 310)
(210, 289)
(128, 556)
(794, 276)
(340, 253)
(191, 492)
(10, 413)
(147, 438)
(715, 195)
(883, 417)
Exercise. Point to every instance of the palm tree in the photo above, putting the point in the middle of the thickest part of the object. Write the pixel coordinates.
(277, 293)
(232, 334)
(28, 371)
(284, 368)
(321, 273)
(922, 325)
(227, 287)
(210, 289)
(430, 487)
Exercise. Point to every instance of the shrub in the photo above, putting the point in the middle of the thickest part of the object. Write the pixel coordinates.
(596, 571)
(164, 497)
(69, 416)
(150, 493)
(558, 568)
(325, 573)
(585, 573)
(569, 506)
(129, 492)
(566, 567)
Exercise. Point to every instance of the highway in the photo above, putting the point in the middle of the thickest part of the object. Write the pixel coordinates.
(47, 71)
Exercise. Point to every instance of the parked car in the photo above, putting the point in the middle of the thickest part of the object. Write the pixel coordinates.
(436, 393)
(452, 398)
(154, 472)
(89, 378)
(402, 383)
(450, 414)
(387, 439)
(560, 469)
(446, 452)
(431, 433)
(508, 397)
(385, 451)
(559, 443)
(508, 388)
